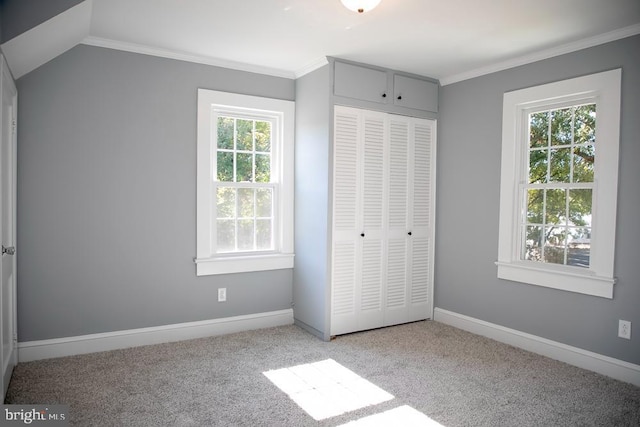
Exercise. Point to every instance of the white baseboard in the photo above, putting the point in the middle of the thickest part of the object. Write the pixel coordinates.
(614, 368)
(69, 346)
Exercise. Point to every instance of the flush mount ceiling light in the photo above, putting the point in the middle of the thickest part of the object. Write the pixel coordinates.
(360, 6)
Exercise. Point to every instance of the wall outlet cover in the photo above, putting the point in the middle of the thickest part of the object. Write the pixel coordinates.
(624, 329)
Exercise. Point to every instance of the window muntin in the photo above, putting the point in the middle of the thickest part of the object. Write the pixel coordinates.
(558, 196)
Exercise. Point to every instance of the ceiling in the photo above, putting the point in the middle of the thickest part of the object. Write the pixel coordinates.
(446, 39)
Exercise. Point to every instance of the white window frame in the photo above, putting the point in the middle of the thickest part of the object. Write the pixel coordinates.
(603, 89)
(281, 113)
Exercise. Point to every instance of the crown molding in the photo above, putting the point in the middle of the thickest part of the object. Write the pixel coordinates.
(610, 36)
(311, 66)
(180, 56)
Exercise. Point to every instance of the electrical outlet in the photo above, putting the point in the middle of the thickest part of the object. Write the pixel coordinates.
(624, 329)
(222, 294)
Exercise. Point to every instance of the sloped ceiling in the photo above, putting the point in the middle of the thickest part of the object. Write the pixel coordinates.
(450, 40)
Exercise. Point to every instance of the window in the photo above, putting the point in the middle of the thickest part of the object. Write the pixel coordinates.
(245, 183)
(559, 180)
(558, 192)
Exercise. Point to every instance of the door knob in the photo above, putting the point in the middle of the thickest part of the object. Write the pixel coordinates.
(11, 250)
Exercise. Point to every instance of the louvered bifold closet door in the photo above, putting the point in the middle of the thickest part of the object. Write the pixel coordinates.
(346, 185)
(358, 207)
(409, 260)
(383, 208)
(421, 215)
(397, 222)
(373, 196)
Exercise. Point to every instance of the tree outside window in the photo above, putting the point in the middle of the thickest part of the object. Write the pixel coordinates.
(245, 193)
(559, 192)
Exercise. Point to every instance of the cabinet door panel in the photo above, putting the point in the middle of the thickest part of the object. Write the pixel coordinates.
(345, 173)
(421, 159)
(370, 296)
(420, 271)
(396, 273)
(362, 83)
(398, 146)
(343, 290)
(373, 176)
(415, 93)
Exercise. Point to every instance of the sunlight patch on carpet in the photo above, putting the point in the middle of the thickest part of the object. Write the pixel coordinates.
(326, 389)
(404, 416)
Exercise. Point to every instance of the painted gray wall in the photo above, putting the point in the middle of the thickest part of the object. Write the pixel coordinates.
(19, 16)
(107, 196)
(469, 133)
(310, 275)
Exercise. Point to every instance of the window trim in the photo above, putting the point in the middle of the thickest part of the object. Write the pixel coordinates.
(207, 261)
(603, 89)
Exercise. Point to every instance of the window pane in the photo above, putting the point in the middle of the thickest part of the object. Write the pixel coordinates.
(535, 205)
(585, 124)
(245, 235)
(579, 247)
(556, 207)
(226, 235)
(263, 235)
(538, 164)
(226, 202)
(580, 203)
(244, 155)
(559, 166)
(533, 243)
(263, 168)
(539, 129)
(583, 163)
(561, 127)
(244, 173)
(264, 202)
(245, 203)
(244, 135)
(554, 244)
(225, 166)
(263, 136)
(225, 132)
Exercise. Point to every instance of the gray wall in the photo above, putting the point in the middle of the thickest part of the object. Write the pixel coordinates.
(107, 196)
(311, 285)
(19, 16)
(469, 144)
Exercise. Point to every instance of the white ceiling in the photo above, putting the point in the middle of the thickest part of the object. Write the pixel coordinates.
(445, 39)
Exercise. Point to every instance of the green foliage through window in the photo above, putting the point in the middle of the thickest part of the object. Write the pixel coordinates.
(243, 150)
(558, 197)
(245, 195)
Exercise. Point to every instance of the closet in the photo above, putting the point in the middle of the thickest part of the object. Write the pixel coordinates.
(365, 193)
(381, 258)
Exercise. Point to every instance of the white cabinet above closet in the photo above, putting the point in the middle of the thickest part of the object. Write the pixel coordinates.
(399, 92)
(357, 82)
(413, 93)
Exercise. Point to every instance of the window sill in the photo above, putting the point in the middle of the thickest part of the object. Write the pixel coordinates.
(242, 264)
(583, 283)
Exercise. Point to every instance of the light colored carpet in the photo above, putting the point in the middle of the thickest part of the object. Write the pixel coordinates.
(453, 377)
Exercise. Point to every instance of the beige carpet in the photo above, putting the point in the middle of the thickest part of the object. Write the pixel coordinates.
(438, 373)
